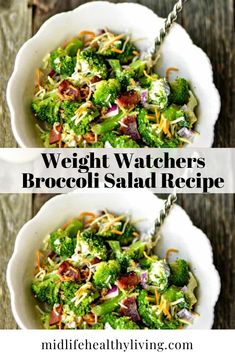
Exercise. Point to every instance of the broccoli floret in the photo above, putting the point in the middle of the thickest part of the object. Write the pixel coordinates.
(106, 92)
(81, 308)
(120, 323)
(107, 125)
(135, 71)
(62, 63)
(146, 131)
(69, 108)
(173, 112)
(68, 290)
(159, 273)
(108, 306)
(179, 273)
(47, 108)
(134, 252)
(92, 64)
(147, 313)
(128, 230)
(179, 91)
(173, 294)
(159, 93)
(62, 244)
(106, 273)
(98, 326)
(119, 141)
(84, 124)
(91, 245)
(128, 55)
(72, 229)
(146, 262)
(47, 290)
(73, 46)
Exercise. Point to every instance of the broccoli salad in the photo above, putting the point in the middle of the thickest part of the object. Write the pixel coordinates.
(96, 273)
(97, 91)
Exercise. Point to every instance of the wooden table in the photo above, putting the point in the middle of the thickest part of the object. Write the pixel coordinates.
(210, 24)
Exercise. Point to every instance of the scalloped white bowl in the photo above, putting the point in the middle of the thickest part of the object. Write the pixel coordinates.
(177, 232)
(177, 50)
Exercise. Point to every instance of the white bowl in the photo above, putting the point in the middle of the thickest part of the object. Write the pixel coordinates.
(177, 51)
(177, 232)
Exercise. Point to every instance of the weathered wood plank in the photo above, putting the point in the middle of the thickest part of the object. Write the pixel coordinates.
(15, 210)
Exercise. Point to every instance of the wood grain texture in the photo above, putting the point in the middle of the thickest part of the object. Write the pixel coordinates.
(15, 210)
(15, 28)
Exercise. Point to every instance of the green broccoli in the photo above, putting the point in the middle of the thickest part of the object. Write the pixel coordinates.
(47, 290)
(125, 238)
(159, 93)
(135, 71)
(83, 307)
(146, 131)
(62, 244)
(108, 124)
(97, 326)
(69, 109)
(120, 323)
(73, 46)
(106, 92)
(116, 141)
(68, 290)
(159, 273)
(179, 91)
(47, 108)
(146, 262)
(147, 313)
(91, 245)
(83, 126)
(134, 252)
(128, 54)
(62, 63)
(173, 294)
(108, 305)
(179, 273)
(72, 229)
(106, 273)
(92, 64)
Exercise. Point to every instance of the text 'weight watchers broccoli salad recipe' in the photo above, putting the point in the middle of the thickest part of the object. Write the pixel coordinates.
(96, 272)
(97, 91)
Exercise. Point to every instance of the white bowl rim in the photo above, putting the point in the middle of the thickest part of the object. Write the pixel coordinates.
(48, 22)
(55, 199)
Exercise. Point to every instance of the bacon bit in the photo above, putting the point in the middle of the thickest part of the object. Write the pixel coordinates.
(89, 319)
(95, 261)
(115, 231)
(55, 134)
(38, 254)
(90, 137)
(51, 73)
(129, 280)
(157, 296)
(129, 127)
(129, 309)
(169, 251)
(52, 255)
(116, 50)
(84, 92)
(169, 70)
(68, 272)
(128, 99)
(68, 91)
(87, 33)
(95, 79)
(56, 315)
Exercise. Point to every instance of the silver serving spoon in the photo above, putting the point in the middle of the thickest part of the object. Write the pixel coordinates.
(153, 236)
(171, 18)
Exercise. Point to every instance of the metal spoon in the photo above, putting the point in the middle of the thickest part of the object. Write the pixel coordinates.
(171, 18)
(164, 212)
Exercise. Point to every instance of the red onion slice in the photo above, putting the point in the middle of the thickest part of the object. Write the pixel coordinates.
(112, 111)
(112, 293)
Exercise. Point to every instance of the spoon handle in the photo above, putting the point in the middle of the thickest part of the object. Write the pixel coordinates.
(171, 18)
(163, 214)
